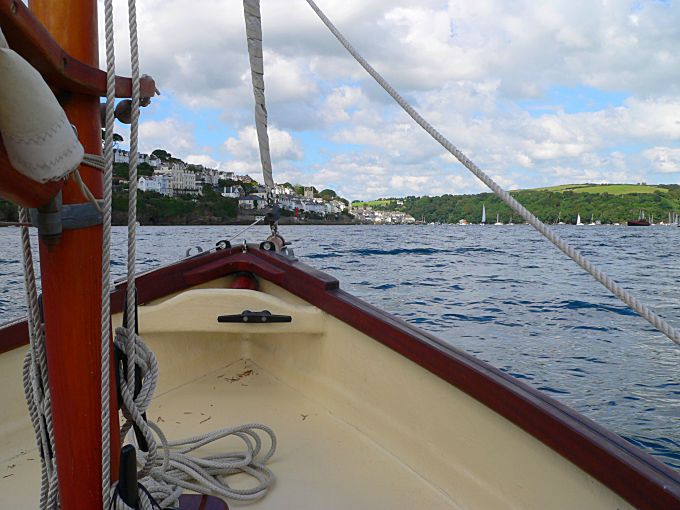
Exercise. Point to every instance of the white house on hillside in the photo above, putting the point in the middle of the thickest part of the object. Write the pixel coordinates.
(252, 202)
(183, 182)
(283, 190)
(232, 192)
(150, 160)
(149, 184)
(121, 156)
(313, 207)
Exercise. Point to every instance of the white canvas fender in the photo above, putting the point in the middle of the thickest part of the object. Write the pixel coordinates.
(39, 139)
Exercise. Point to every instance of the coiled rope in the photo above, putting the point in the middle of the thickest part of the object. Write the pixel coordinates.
(169, 468)
(611, 285)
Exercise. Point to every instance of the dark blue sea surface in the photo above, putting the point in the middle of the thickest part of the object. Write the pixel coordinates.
(503, 294)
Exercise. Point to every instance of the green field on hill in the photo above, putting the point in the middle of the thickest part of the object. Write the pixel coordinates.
(608, 203)
(612, 189)
(371, 203)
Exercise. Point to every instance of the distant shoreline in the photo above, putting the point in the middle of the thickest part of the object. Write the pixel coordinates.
(245, 222)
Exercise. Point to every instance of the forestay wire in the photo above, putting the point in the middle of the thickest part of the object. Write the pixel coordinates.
(616, 289)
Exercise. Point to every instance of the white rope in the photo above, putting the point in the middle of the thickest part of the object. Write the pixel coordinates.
(86, 191)
(132, 188)
(95, 161)
(167, 471)
(625, 296)
(36, 381)
(251, 12)
(106, 255)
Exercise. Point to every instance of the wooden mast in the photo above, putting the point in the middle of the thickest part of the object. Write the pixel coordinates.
(71, 284)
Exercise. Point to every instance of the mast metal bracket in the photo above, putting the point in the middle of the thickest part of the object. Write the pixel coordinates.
(55, 217)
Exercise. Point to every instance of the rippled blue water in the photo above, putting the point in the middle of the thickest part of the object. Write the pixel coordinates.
(502, 293)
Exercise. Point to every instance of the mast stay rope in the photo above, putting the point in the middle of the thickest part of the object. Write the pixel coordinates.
(655, 320)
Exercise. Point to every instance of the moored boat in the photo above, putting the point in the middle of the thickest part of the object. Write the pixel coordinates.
(640, 222)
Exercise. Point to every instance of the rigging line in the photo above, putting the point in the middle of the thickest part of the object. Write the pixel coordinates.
(132, 187)
(15, 224)
(616, 289)
(245, 229)
(106, 255)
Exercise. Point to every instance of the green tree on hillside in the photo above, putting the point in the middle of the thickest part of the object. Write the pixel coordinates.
(161, 154)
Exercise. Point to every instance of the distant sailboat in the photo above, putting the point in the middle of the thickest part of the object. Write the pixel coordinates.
(559, 219)
(640, 222)
(578, 219)
(591, 220)
(483, 215)
(498, 222)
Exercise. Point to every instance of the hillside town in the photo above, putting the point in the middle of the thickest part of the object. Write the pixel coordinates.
(366, 214)
(171, 177)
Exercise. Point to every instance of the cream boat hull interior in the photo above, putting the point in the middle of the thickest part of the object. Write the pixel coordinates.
(358, 424)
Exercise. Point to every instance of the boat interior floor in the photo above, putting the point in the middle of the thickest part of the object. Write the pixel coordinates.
(320, 462)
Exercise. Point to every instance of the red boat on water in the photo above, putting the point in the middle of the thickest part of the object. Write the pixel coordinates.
(640, 222)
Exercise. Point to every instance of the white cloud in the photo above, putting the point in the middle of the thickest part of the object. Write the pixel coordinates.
(202, 159)
(469, 67)
(281, 144)
(172, 134)
(664, 159)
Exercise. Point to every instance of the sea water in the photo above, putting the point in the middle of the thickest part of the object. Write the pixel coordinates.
(502, 293)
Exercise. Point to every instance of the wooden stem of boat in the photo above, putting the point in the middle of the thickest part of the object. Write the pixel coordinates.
(71, 284)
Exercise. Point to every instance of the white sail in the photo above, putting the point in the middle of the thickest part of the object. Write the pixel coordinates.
(483, 214)
(251, 9)
(578, 219)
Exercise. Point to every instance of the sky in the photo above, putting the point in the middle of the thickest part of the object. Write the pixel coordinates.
(536, 93)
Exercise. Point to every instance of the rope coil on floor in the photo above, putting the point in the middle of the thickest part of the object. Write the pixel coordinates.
(169, 468)
(655, 320)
